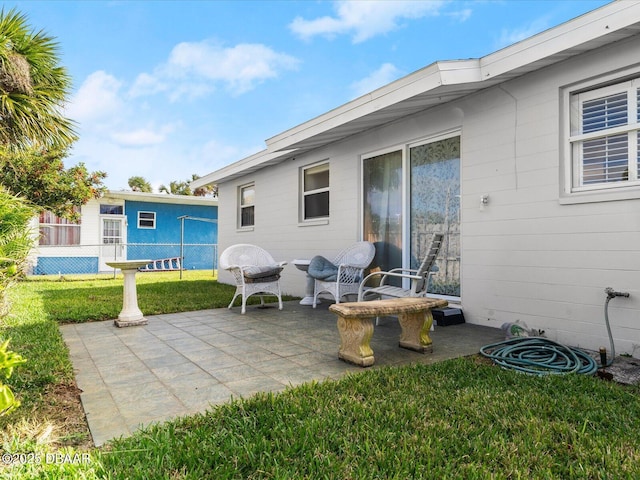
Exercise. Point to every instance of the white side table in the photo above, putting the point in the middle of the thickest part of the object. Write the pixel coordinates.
(303, 265)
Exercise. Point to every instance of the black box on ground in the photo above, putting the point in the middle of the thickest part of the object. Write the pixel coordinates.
(444, 317)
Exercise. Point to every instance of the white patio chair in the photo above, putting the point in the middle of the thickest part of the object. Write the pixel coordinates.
(351, 263)
(419, 278)
(255, 272)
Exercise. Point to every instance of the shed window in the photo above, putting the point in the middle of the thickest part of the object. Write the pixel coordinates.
(146, 219)
(315, 191)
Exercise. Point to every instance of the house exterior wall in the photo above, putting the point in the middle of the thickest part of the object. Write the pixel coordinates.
(83, 258)
(152, 242)
(88, 257)
(527, 255)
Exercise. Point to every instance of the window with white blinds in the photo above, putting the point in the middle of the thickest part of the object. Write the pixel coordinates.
(604, 137)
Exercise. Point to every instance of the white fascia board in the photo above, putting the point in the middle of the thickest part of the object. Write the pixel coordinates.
(585, 28)
(241, 167)
(161, 198)
(424, 80)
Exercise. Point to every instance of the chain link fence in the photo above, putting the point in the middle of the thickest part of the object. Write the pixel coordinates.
(91, 259)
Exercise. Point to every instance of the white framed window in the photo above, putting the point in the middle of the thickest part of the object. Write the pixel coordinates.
(58, 231)
(314, 191)
(602, 150)
(246, 202)
(147, 220)
(106, 209)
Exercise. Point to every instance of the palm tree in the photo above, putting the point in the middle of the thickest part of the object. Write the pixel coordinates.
(176, 188)
(206, 190)
(139, 184)
(33, 87)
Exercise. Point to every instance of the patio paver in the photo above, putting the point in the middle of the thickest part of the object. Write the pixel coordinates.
(183, 363)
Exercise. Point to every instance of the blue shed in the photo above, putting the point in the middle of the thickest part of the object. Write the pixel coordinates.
(130, 225)
(156, 229)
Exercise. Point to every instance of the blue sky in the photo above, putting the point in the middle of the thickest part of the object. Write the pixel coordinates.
(165, 89)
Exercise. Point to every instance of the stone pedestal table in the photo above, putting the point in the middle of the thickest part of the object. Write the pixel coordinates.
(130, 314)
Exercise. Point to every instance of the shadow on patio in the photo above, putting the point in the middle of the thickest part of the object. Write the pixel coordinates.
(182, 363)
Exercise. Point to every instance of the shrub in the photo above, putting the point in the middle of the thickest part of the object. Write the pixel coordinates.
(15, 242)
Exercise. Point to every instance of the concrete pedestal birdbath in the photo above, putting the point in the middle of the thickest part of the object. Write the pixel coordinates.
(130, 314)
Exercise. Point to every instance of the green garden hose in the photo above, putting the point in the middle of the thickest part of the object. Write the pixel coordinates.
(539, 356)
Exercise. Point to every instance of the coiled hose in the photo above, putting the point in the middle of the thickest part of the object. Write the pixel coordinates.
(539, 356)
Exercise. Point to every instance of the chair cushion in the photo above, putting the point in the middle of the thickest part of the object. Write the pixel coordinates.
(322, 269)
(262, 273)
(272, 278)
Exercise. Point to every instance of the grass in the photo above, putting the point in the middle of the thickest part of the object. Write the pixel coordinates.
(76, 299)
(457, 419)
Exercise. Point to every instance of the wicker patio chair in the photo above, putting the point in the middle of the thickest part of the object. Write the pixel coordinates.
(351, 263)
(255, 272)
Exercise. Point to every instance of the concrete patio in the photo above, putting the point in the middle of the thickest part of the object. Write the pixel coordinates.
(183, 363)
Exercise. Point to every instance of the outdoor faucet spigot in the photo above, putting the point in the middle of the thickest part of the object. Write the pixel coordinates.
(611, 293)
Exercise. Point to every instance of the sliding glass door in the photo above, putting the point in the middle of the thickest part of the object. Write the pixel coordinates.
(435, 207)
(431, 172)
(382, 209)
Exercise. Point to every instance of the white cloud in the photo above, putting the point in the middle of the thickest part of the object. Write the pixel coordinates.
(194, 69)
(509, 37)
(461, 15)
(142, 137)
(215, 154)
(97, 97)
(366, 18)
(382, 76)
(146, 84)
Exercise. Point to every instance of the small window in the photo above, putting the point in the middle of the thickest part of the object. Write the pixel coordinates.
(247, 205)
(146, 219)
(57, 231)
(111, 210)
(603, 140)
(315, 192)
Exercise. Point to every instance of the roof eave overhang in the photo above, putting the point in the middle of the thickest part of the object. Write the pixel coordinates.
(443, 82)
(160, 198)
(247, 165)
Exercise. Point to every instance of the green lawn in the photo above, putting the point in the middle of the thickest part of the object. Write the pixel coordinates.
(457, 419)
(77, 299)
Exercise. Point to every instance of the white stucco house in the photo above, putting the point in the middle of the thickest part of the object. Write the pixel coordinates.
(527, 159)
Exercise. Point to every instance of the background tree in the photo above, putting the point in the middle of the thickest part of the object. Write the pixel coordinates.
(179, 187)
(139, 184)
(33, 87)
(41, 178)
(176, 188)
(205, 191)
(34, 135)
